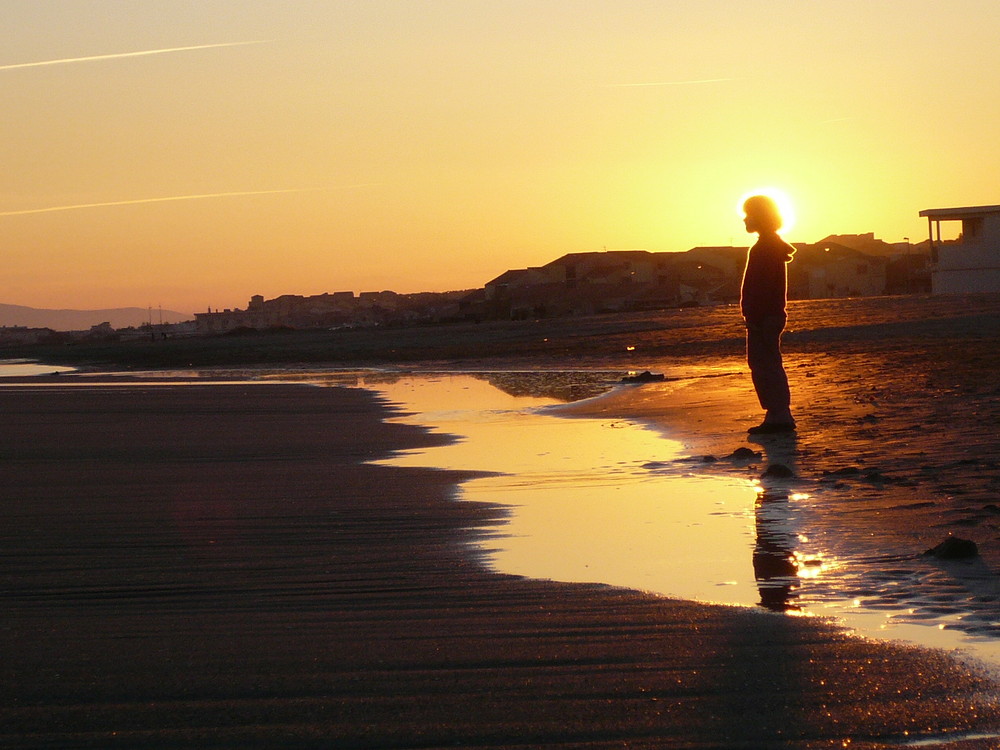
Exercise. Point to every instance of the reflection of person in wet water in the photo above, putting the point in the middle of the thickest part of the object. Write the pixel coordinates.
(762, 302)
(774, 564)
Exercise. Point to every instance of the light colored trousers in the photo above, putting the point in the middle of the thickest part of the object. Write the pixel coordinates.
(766, 368)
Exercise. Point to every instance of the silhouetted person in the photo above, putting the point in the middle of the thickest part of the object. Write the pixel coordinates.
(762, 302)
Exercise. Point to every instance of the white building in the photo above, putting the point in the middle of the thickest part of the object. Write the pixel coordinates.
(972, 262)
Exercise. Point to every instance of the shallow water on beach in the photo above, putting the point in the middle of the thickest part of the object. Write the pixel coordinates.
(612, 501)
(17, 368)
(584, 505)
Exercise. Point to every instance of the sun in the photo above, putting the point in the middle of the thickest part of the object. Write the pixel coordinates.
(781, 198)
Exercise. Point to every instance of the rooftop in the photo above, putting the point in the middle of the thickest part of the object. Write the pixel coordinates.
(959, 213)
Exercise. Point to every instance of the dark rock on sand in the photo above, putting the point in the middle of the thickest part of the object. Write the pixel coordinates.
(654, 465)
(874, 476)
(954, 548)
(644, 377)
(744, 454)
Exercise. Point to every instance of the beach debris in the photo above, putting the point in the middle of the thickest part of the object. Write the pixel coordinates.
(954, 548)
(874, 476)
(835, 477)
(644, 377)
(777, 471)
(744, 454)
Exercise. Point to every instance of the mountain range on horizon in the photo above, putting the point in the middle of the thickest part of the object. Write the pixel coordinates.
(82, 320)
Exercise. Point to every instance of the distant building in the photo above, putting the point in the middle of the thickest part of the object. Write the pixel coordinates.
(584, 284)
(972, 262)
(216, 322)
(827, 269)
(22, 335)
(622, 280)
(866, 243)
(339, 310)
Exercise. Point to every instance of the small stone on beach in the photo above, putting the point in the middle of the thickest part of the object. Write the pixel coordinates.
(954, 548)
(643, 377)
(744, 454)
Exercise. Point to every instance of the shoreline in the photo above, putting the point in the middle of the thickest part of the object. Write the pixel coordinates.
(930, 606)
(178, 572)
(695, 405)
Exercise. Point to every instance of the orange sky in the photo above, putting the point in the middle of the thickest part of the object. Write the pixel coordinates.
(385, 144)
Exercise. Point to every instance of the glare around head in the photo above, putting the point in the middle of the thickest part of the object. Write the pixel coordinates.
(780, 200)
(762, 214)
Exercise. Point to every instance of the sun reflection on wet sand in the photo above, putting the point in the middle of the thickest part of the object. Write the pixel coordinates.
(586, 506)
(20, 368)
(604, 499)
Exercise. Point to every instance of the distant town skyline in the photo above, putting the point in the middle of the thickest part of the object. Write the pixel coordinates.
(187, 155)
(151, 310)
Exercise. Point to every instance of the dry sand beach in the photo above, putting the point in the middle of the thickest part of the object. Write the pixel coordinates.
(220, 565)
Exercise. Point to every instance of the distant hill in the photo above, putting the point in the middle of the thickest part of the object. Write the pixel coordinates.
(82, 320)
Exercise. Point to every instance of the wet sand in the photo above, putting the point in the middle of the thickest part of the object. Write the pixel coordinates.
(216, 566)
(896, 447)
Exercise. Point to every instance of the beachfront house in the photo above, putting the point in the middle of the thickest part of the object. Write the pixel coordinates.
(826, 270)
(585, 283)
(971, 263)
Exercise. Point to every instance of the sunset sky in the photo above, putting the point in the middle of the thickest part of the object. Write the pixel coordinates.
(191, 153)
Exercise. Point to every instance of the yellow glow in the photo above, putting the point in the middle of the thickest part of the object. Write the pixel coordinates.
(785, 205)
(477, 136)
(586, 505)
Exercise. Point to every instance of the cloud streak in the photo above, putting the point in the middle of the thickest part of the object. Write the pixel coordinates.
(669, 83)
(121, 55)
(171, 198)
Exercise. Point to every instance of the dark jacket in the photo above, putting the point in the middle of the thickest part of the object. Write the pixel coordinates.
(764, 279)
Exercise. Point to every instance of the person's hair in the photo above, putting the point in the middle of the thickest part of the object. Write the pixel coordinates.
(764, 211)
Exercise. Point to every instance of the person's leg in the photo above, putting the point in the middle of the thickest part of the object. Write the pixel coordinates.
(767, 371)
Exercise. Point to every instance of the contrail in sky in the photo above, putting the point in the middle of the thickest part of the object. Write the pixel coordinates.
(669, 83)
(119, 55)
(135, 202)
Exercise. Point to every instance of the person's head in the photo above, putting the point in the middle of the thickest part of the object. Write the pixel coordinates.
(762, 214)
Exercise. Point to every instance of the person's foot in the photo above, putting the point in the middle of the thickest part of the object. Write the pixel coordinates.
(772, 428)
